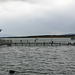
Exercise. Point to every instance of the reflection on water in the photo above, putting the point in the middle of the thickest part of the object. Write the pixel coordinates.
(58, 60)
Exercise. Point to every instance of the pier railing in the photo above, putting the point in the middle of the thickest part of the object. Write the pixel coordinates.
(34, 43)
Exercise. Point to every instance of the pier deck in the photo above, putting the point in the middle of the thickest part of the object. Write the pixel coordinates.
(35, 44)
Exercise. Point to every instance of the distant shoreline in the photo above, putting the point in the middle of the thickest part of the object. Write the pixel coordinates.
(43, 36)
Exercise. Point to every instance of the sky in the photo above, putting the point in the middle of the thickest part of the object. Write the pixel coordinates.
(37, 17)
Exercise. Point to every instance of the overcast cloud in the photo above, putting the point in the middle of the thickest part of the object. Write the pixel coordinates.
(35, 17)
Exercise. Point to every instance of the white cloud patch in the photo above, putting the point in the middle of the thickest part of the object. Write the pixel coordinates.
(37, 16)
(15, 8)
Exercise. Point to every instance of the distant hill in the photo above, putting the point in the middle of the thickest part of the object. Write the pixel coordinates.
(70, 34)
(39, 36)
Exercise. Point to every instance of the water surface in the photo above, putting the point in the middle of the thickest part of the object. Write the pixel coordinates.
(41, 60)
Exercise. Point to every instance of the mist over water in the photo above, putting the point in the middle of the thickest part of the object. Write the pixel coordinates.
(39, 60)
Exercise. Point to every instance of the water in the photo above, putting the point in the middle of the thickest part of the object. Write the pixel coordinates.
(50, 60)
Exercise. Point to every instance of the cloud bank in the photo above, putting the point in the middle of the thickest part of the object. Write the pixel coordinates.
(34, 17)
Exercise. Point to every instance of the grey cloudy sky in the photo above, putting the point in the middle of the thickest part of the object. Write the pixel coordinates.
(35, 17)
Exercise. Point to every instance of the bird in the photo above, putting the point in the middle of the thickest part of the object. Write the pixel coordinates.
(12, 71)
(0, 30)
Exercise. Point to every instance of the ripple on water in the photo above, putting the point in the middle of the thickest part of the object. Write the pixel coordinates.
(58, 60)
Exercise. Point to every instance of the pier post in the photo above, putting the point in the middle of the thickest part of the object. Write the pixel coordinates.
(15, 44)
(52, 43)
(44, 44)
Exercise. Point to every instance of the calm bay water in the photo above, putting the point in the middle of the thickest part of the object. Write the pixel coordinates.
(39, 60)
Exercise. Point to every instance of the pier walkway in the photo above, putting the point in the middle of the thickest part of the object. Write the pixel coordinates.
(21, 43)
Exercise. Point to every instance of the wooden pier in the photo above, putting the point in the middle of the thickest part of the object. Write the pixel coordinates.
(10, 43)
(42, 40)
